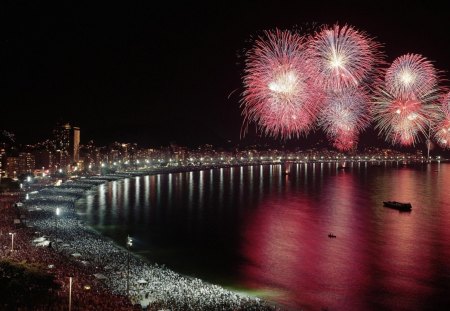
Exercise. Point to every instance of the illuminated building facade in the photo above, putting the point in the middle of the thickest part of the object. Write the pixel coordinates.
(26, 163)
(62, 137)
(12, 167)
(76, 144)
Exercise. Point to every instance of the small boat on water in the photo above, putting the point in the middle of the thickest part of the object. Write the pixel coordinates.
(398, 205)
(331, 235)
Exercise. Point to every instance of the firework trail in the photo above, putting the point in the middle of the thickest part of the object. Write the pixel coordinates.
(410, 74)
(344, 116)
(341, 57)
(279, 96)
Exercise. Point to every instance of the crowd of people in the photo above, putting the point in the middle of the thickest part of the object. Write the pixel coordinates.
(105, 271)
(88, 293)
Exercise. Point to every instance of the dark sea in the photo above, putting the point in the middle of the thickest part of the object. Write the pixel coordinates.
(259, 231)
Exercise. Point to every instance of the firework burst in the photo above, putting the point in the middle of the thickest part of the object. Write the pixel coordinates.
(410, 74)
(405, 105)
(446, 104)
(342, 57)
(345, 141)
(279, 96)
(401, 120)
(442, 135)
(442, 130)
(344, 116)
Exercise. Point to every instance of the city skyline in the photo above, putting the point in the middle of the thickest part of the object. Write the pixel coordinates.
(65, 137)
(62, 153)
(172, 74)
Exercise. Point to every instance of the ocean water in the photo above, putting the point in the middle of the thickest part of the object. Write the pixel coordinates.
(257, 230)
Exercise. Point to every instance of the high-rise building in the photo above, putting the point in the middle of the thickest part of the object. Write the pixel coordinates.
(62, 137)
(26, 163)
(62, 160)
(67, 144)
(12, 167)
(76, 144)
(43, 159)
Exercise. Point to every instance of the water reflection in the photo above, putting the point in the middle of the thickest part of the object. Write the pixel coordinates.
(256, 227)
(381, 259)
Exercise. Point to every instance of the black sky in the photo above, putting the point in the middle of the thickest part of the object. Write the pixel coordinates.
(154, 72)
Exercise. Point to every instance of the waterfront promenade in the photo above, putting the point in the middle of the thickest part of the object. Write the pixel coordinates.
(66, 247)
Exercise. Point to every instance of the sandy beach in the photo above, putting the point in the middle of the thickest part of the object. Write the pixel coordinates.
(99, 267)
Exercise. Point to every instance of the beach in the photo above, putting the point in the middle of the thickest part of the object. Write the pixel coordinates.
(99, 267)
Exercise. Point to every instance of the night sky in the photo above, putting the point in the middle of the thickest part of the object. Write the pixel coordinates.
(158, 72)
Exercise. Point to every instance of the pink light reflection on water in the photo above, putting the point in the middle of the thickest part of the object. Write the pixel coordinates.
(380, 260)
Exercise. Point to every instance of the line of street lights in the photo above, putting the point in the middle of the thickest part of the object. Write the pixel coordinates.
(129, 244)
(12, 234)
(58, 211)
(70, 293)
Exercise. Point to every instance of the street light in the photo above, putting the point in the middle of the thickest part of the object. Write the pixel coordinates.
(70, 293)
(12, 240)
(129, 244)
(56, 225)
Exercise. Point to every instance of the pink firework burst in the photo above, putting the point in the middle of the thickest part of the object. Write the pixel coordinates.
(342, 57)
(344, 116)
(445, 104)
(442, 129)
(401, 120)
(410, 74)
(279, 95)
(345, 141)
(442, 135)
(405, 105)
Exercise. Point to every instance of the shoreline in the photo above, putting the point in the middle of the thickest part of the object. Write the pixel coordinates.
(66, 196)
(109, 258)
(186, 169)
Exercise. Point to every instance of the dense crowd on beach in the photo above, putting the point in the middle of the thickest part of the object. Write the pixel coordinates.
(99, 267)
